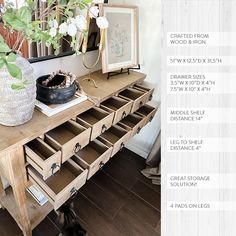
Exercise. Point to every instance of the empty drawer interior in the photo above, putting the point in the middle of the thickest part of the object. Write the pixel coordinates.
(61, 179)
(132, 94)
(131, 120)
(40, 148)
(113, 134)
(92, 151)
(145, 110)
(93, 115)
(114, 103)
(65, 132)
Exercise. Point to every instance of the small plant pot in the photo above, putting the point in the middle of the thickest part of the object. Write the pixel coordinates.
(54, 95)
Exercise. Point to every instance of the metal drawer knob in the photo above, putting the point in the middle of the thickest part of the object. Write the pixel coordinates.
(138, 130)
(123, 115)
(73, 192)
(141, 103)
(104, 128)
(151, 118)
(54, 166)
(101, 164)
(122, 146)
(77, 148)
(150, 97)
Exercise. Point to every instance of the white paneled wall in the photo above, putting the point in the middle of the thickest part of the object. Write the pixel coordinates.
(149, 54)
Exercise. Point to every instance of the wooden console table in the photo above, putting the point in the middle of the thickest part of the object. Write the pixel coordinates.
(27, 213)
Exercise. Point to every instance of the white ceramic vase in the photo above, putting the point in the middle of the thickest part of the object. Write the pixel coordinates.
(17, 106)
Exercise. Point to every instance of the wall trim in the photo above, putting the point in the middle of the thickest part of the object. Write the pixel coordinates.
(143, 152)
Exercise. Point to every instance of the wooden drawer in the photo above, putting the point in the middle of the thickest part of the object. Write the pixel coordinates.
(133, 122)
(98, 119)
(93, 156)
(42, 157)
(69, 138)
(61, 186)
(144, 88)
(117, 137)
(138, 97)
(120, 106)
(147, 111)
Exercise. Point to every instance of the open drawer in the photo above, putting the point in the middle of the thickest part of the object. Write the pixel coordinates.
(42, 157)
(138, 97)
(93, 156)
(144, 88)
(117, 137)
(133, 122)
(147, 111)
(120, 106)
(69, 138)
(61, 186)
(98, 119)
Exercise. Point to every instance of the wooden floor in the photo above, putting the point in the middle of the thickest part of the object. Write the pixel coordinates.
(118, 200)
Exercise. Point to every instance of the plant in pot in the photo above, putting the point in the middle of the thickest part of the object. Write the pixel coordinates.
(57, 20)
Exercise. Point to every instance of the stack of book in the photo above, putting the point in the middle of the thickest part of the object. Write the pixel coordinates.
(53, 109)
(37, 195)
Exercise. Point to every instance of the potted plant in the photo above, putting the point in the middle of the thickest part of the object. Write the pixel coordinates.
(60, 18)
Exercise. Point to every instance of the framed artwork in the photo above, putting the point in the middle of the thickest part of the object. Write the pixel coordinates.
(121, 37)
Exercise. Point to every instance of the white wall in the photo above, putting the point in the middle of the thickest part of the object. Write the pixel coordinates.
(70, 63)
(149, 50)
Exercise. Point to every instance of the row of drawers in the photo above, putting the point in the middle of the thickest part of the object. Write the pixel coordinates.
(89, 149)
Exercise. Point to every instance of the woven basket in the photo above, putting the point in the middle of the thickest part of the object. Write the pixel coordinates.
(17, 106)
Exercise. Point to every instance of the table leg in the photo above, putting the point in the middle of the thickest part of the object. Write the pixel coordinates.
(2, 191)
(17, 177)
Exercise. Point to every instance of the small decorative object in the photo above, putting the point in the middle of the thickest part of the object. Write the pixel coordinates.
(121, 38)
(59, 19)
(57, 88)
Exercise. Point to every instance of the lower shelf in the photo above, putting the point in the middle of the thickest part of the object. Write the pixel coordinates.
(36, 212)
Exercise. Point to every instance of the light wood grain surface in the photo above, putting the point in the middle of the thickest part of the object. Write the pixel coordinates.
(11, 137)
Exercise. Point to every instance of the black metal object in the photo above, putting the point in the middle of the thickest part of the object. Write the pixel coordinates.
(54, 95)
(122, 71)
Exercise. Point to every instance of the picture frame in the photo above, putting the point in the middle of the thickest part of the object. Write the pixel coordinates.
(121, 37)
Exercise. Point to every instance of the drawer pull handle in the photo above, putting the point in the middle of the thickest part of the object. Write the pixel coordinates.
(101, 164)
(53, 167)
(150, 97)
(122, 146)
(73, 192)
(77, 148)
(151, 118)
(123, 115)
(141, 103)
(104, 128)
(138, 130)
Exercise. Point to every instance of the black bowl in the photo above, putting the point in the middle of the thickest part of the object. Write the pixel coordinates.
(54, 95)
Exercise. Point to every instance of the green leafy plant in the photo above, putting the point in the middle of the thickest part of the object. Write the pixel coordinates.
(56, 20)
